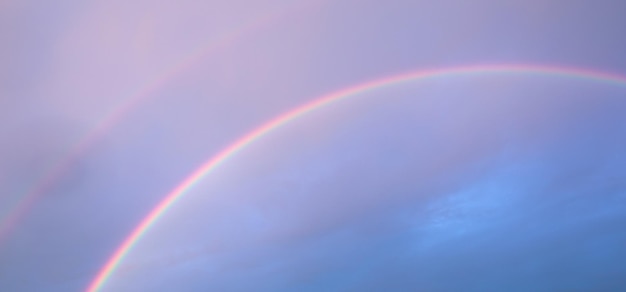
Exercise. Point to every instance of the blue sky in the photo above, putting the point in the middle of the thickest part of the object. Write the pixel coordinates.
(472, 183)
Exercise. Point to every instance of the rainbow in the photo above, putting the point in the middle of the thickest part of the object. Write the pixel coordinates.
(211, 164)
(110, 120)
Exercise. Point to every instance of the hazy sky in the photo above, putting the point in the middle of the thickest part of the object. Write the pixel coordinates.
(480, 182)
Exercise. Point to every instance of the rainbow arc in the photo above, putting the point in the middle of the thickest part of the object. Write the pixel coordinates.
(317, 104)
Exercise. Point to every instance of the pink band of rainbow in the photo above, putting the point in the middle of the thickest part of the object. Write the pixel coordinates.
(177, 193)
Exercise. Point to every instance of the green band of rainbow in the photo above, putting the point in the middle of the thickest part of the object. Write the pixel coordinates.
(177, 193)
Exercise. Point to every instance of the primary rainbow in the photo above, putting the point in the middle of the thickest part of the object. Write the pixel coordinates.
(113, 262)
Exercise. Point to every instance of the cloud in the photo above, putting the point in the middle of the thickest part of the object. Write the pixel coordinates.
(343, 211)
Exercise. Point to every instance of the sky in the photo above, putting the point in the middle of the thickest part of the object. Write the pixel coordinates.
(484, 181)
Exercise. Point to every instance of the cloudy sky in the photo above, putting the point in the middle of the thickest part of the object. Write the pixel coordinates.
(492, 181)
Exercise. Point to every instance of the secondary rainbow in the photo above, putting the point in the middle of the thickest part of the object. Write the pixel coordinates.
(61, 167)
(177, 193)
